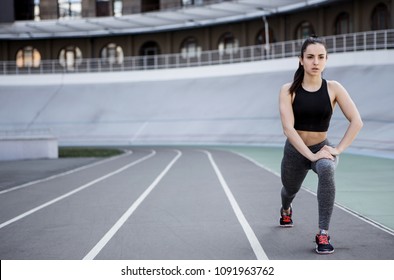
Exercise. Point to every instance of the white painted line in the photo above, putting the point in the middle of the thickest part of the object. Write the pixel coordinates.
(340, 206)
(64, 173)
(257, 163)
(254, 242)
(17, 218)
(108, 236)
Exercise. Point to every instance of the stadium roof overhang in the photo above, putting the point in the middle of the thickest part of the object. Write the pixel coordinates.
(195, 16)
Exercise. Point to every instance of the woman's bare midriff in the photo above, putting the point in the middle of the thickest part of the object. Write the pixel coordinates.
(312, 137)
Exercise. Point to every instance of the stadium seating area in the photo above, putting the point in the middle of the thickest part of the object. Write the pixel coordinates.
(220, 105)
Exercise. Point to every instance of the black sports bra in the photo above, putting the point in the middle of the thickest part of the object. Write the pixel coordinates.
(312, 110)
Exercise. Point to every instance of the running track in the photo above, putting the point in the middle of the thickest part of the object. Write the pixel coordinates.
(167, 203)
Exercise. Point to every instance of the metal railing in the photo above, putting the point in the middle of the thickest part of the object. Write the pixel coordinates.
(363, 41)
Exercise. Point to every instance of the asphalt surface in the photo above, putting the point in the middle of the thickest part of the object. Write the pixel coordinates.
(166, 203)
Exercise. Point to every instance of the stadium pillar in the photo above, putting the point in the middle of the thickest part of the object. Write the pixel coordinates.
(357, 16)
(267, 34)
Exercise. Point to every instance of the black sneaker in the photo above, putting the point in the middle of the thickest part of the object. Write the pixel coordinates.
(285, 219)
(323, 245)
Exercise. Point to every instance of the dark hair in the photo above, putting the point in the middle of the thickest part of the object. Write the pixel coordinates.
(299, 74)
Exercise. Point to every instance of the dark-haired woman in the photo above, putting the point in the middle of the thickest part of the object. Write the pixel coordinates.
(306, 106)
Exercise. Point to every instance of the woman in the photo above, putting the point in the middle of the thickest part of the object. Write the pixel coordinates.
(306, 106)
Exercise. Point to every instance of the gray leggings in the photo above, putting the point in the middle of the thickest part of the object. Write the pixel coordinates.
(293, 171)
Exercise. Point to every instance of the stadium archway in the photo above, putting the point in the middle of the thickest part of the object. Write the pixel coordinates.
(148, 53)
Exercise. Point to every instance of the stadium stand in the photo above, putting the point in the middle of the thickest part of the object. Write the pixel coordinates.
(222, 104)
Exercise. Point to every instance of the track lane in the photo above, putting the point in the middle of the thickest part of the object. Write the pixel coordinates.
(258, 192)
(254, 242)
(69, 228)
(119, 223)
(28, 201)
(94, 162)
(187, 216)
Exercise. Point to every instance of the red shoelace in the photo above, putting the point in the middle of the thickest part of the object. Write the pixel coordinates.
(286, 219)
(323, 239)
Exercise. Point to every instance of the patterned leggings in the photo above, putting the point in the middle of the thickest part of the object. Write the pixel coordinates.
(293, 171)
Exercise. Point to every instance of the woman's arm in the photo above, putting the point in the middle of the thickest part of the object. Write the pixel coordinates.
(350, 111)
(287, 118)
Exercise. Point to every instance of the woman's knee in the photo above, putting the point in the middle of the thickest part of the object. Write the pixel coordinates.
(325, 166)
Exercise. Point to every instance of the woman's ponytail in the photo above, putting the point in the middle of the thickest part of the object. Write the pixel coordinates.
(298, 78)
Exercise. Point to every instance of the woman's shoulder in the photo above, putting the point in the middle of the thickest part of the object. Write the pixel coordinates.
(285, 87)
(285, 92)
(334, 84)
(336, 87)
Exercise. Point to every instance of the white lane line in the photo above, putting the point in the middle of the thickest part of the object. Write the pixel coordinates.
(108, 236)
(64, 173)
(254, 242)
(340, 206)
(17, 218)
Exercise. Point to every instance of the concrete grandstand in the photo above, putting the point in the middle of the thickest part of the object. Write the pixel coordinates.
(202, 95)
(223, 104)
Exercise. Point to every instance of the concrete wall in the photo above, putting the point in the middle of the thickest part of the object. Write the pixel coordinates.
(17, 148)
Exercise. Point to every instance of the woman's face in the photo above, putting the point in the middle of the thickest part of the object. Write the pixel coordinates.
(314, 59)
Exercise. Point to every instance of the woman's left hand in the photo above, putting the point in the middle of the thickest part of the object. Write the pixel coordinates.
(331, 150)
